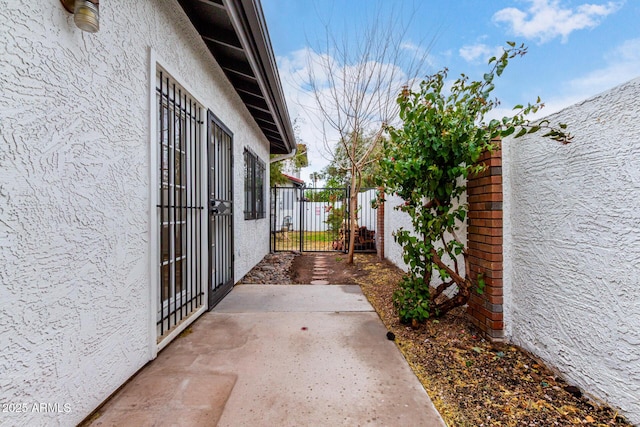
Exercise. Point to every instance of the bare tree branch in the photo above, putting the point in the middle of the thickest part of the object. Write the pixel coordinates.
(355, 82)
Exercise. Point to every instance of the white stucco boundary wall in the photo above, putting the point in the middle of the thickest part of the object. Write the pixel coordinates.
(76, 253)
(394, 220)
(572, 247)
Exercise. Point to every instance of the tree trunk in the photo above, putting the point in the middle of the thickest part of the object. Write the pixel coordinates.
(353, 215)
(460, 298)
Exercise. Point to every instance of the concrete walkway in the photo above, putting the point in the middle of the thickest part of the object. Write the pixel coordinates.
(278, 355)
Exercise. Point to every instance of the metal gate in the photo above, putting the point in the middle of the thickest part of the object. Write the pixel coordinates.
(220, 175)
(316, 220)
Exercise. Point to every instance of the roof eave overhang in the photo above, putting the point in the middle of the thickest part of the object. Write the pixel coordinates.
(236, 34)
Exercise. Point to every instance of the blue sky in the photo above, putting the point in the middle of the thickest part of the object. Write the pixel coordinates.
(576, 48)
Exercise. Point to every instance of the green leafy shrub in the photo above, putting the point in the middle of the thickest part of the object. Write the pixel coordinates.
(412, 300)
(334, 221)
(427, 161)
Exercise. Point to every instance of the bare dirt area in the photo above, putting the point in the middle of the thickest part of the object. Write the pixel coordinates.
(472, 381)
(338, 271)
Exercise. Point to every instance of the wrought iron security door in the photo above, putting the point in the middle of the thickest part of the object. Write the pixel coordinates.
(220, 175)
(179, 209)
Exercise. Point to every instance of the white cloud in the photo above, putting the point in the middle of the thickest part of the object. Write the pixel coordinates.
(298, 67)
(418, 51)
(294, 75)
(412, 47)
(545, 20)
(621, 65)
(479, 52)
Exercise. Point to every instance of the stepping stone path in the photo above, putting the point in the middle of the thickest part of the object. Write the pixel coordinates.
(320, 271)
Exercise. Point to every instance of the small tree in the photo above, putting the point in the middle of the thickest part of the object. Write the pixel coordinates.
(334, 221)
(337, 173)
(354, 81)
(427, 162)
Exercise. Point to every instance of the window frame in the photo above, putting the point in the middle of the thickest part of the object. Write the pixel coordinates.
(254, 186)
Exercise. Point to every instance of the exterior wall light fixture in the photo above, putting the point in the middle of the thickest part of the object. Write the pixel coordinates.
(86, 14)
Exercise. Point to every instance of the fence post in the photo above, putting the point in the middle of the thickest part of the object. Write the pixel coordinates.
(301, 214)
(484, 239)
(274, 211)
(380, 224)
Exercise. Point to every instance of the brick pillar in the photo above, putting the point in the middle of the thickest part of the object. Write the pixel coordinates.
(380, 226)
(484, 239)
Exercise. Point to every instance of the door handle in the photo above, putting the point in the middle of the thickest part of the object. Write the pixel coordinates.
(214, 208)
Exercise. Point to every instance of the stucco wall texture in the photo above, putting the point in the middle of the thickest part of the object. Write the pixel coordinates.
(572, 246)
(74, 196)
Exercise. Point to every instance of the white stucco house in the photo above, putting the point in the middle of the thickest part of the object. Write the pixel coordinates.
(133, 187)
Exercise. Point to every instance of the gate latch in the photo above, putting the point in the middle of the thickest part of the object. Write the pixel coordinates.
(214, 208)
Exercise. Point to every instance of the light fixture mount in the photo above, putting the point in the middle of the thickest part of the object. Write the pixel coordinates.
(86, 13)
(68, 4)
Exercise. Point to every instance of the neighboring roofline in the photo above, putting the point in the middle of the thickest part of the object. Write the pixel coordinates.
(294, 179)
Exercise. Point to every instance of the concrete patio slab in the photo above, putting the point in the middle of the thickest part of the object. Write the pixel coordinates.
(278, 356)
(294, 298)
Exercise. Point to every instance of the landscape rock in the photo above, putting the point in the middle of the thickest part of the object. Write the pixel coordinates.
(274, 269)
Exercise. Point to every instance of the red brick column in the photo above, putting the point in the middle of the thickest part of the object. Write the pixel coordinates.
(484, 239)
